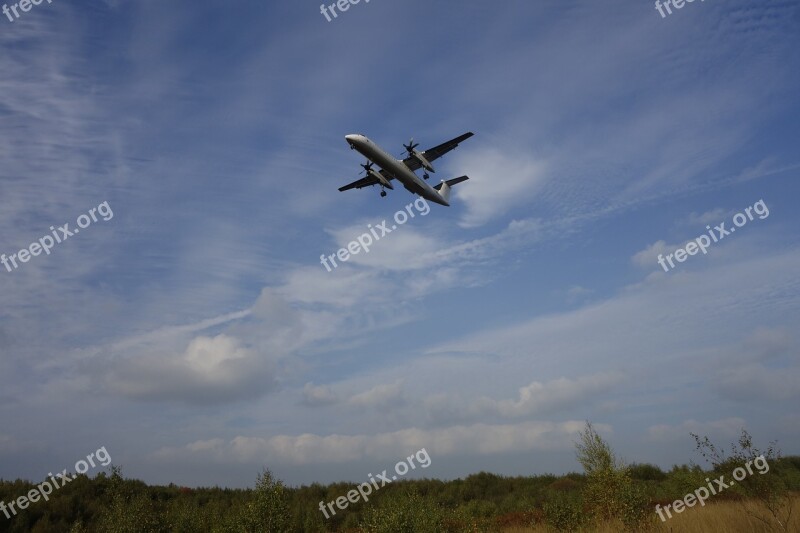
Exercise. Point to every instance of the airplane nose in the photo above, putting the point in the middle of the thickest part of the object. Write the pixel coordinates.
(351, 139)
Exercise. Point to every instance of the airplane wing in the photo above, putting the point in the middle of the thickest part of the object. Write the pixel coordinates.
(436, 152)
(431, 154)
(366, 181)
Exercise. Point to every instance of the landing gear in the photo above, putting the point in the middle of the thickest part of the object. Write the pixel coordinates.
(383, 194)
(425, 176)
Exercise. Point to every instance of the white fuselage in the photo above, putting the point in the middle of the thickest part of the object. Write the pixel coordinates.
(395, 167)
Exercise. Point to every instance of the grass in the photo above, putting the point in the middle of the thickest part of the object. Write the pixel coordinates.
(722, 517)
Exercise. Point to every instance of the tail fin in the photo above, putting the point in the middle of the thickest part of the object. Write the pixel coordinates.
(444, 187)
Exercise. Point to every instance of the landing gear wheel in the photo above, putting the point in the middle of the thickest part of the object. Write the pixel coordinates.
(383, 193)
(425, 176)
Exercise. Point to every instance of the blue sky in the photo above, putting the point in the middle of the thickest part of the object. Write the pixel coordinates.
(198, 338)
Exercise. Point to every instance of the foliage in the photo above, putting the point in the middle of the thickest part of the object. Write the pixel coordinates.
(594, 453)
(565, 514)
(129, 511)
(407, 512)
(610, 491)
(646, 472)
(479, 503)
(775, 504)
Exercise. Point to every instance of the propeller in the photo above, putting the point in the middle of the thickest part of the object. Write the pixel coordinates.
(410, 146)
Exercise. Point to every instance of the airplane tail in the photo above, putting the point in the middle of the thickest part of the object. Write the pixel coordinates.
(444, 187)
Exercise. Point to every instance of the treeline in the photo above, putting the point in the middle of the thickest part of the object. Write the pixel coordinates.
(486, 502)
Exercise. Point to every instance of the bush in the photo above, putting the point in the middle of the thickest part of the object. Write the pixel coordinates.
(404, 512)
(610, 491)
(775, 504)
(564, 514)
(130, 510)
(267, 511)
(647, 472)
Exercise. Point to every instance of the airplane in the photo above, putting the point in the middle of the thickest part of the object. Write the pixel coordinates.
(404, 170)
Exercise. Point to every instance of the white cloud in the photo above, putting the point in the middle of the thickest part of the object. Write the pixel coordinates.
(754, 382)
(767, 343)
(341, 288)
(534, 399)
(208, 355)
(314, 395)
(211, 369)
(405, 248)
(576, 292)
(499, 181)
(186, 364)
(557, 394)
(648, 258)
(727, 427)
(655, 327)
(379, 396)
(701, 220)
(479, 439)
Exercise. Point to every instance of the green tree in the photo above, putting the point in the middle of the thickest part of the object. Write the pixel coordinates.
(404, 512)
(130, 509)
(774, 505)
(268, 510)
(610, 491)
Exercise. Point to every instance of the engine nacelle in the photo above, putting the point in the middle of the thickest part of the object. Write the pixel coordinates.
(422, 161)
(378, 176)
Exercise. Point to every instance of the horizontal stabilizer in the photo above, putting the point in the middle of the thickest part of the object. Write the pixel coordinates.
(444, 188)
(451, 182)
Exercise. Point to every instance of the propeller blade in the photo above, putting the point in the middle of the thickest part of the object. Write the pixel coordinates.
(410, 146)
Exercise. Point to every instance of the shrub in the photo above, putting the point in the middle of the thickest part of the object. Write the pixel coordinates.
(404, 512)
(564, 514)
(647, 472)
(268, 510)
(775, 505)
(609, 491)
